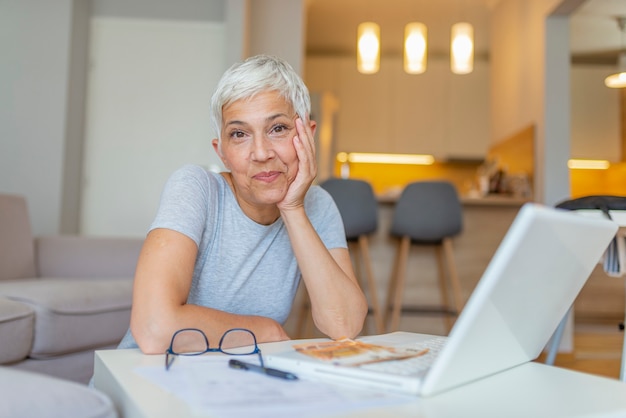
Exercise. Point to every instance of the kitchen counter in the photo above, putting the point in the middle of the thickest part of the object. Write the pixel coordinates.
(489, 200)
(494, 200)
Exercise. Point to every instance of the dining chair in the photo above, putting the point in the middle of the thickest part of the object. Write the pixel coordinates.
(358, 207)
(427, 213)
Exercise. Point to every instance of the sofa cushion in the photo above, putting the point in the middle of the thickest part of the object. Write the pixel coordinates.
(17, 326)
(72, 314)
(28, 394)
(87, 257)
(17, 253)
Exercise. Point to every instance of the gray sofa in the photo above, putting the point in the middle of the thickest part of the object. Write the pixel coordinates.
(27, 395)
(61, 297)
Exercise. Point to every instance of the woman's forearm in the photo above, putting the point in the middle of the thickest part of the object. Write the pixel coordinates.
(153, 333)
(338, 304)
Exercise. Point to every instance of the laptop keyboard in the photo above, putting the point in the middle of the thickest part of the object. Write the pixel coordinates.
(414, 365)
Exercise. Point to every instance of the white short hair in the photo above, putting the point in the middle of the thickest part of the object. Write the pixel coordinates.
(259, 74)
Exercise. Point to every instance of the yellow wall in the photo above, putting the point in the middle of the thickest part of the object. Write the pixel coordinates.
(599, 182)
(389, 178)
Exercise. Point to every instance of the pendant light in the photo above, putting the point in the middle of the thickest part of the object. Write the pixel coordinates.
(462, 48)
(618, 80)
(368, 48)
(415, 47)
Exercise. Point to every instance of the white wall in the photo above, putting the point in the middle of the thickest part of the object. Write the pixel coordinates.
(147, 115)
(595, 114)
(512, 108)
(35, 44)
(277, 27)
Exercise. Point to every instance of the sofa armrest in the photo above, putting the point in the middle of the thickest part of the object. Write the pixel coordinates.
(73, 256)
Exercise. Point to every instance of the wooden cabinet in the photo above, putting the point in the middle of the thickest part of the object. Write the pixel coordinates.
(437, 112)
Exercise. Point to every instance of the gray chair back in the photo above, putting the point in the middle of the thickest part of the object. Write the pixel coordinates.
(428, 211)
(356, 203)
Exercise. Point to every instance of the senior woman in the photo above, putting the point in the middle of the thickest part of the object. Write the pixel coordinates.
(228, 250)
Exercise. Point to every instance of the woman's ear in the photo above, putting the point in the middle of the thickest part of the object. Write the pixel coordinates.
(218, 151)
(313, 126)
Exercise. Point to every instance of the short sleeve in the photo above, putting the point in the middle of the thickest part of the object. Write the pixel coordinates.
(186, 201)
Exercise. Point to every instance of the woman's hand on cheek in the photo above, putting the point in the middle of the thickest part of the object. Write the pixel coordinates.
(304, 145)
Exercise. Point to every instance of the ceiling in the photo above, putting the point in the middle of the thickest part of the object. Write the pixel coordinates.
(331, 25)
(594, 32)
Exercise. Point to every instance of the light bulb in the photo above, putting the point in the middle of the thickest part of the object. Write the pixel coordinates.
(415, 47)
(368, 48)
(462, 48)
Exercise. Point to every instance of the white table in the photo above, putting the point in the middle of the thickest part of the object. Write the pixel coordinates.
(530, 390)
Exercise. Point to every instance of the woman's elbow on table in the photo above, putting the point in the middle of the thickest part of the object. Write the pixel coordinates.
(151, 338)
(341, 326)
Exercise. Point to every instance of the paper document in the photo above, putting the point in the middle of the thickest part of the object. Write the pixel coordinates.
(210, 387)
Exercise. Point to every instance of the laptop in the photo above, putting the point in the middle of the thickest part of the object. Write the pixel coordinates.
(530, 283)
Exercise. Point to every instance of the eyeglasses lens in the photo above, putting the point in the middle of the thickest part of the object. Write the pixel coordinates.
(189, 342)
(238, 342)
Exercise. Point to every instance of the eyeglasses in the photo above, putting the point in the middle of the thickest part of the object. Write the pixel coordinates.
(193, 342)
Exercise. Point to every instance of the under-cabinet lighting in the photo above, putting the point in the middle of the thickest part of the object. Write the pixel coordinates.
(375, 158)
(588, 164)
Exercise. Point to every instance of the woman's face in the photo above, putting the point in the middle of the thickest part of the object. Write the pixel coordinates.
(257, 147)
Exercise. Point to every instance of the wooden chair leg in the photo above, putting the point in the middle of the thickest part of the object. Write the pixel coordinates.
(454, 276)
(443, 286)
(303, 322)
(391, 287)
(371, 284)
(357, 261)
(354, 249)
(447, 271)
(405, 245)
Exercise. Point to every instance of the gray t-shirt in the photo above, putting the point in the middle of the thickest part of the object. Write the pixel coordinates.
(242, 267)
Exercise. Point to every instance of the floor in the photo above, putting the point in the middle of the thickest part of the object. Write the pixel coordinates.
(597, 349)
